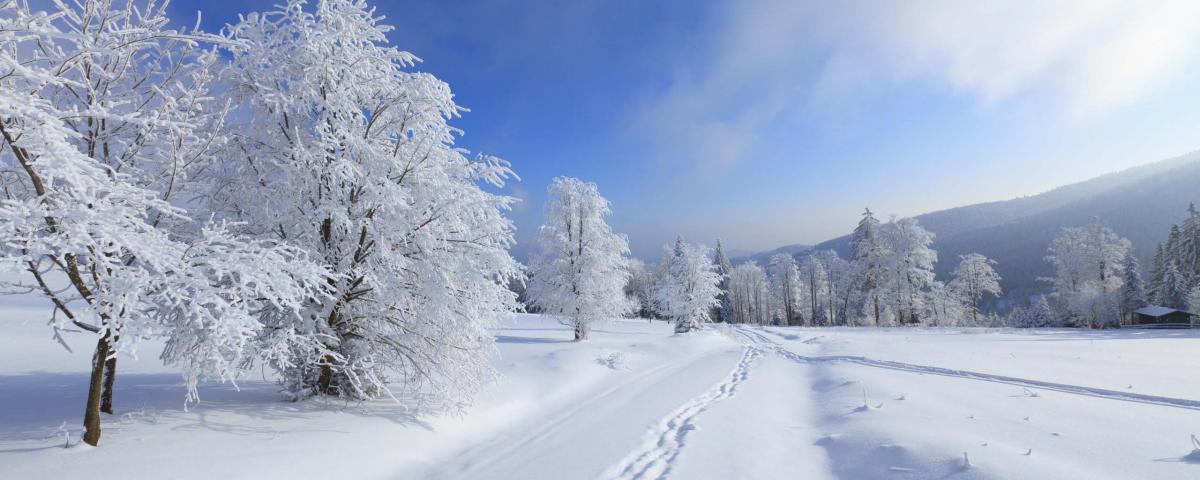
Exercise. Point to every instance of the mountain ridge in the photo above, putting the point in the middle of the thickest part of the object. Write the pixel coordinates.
(1139, 203)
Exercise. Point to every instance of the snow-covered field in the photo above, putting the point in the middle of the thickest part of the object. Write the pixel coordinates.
(639, 402)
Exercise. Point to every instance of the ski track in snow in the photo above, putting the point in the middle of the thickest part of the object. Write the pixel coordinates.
(504, 446)
(987, 377)
(664, 442)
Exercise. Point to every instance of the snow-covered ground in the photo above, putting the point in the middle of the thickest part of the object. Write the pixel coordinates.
(639, 402)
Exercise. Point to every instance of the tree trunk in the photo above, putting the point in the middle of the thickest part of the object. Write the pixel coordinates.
(581, 331)
(326, 375)
(106, 394)
(91, 413)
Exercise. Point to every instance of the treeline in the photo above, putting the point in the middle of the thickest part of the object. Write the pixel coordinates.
(1174, 276)
(889, 280)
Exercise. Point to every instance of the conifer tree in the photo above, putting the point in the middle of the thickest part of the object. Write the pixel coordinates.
(724, 311)
(1133, 295)
(866, 259)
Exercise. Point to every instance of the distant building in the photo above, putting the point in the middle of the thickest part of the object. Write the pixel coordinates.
(1152, 315)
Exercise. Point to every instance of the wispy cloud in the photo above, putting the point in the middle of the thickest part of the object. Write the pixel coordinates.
(767, 57)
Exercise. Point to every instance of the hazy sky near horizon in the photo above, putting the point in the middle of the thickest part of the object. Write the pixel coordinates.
(770, 122)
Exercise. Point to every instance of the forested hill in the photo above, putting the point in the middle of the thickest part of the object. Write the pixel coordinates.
(1139, 203)
(764, 257)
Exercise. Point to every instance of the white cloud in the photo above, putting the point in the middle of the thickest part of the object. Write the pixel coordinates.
(1096, 54)
(1084, 57)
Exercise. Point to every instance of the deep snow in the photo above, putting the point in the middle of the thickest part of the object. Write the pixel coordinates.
(639, 402)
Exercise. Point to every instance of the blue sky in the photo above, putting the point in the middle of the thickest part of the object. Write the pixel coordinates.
(769, 122)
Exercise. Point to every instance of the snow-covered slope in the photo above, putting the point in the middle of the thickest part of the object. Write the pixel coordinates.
(639, 402)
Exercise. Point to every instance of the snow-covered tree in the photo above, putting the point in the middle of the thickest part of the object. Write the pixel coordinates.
(1182, 251)
(1041, 314)
(107, 122)
(339, 149)
(1193, 300)
(640, 287)
(839, 286)
(784, 277)
(1186, 252)
(814, 276)
(580, 271)
(1157, 269)
(945, 305)
(690, 287)
(750, 294)
(724, 311)
(1087, 262)
(1172, 292)
(909, 265)
(867, 254)
(974, 277)
(1133, 295)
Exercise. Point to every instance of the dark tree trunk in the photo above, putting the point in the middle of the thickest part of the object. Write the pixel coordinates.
(91, 413)
(106, 394)
(325, 377)
(581, 332)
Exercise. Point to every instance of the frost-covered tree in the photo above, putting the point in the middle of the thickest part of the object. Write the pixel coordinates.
(784, 277)
(1172, 291)
(1186, 251)
(340, 149)
(1182, 250)
(107, 127)
(974, 277)
(1193, 300)
(909, 265)
(1041, 314)
(580, 271)
(1087, 262)
(750, 294)
(640, 287)
(690, 287)
(945, 305)
(1157, 268)
(723, 311)
(1036, 315)
(839, 287)
(814, 276)
(867, 255)
(1133, 295)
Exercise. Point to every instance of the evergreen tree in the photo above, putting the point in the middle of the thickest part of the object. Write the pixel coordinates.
(866, 260)
(1157, 269)
(1133, 295)
(1041, 314)
(724, 311)
(1173, 293)
(690, 287)
(1187, 256)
